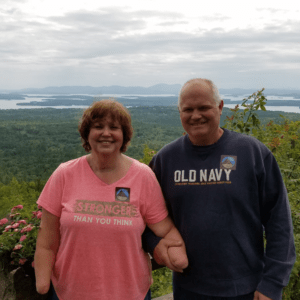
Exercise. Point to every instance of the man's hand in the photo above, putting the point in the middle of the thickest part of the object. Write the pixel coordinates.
(260, 296)
(160, 253)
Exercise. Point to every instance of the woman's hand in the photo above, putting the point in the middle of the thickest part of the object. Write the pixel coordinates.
(161, 256)
(260, 296)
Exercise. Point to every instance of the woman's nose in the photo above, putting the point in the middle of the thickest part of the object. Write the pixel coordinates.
(106, 130)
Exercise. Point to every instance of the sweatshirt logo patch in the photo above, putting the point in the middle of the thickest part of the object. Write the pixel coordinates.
(228, 162)
(122, 194)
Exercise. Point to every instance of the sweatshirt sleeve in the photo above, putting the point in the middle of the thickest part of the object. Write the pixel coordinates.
(149, 241)
(279, 255)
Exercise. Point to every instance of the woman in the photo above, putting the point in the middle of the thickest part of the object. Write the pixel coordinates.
(95, 209)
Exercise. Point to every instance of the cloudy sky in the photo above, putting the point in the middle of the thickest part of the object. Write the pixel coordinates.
(243, 44)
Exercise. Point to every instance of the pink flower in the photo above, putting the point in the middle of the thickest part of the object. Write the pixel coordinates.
(16, 230)
(23, 238)
(7, 228)
(40, 207)
(13, 215)
(17, 207)
(3, 221)
(18, 247)
(39, 215)
(22, 222)
(15, 225)
(27, 228)
(22, 261)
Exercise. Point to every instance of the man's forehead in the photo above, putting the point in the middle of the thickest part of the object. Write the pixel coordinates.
(199, 87)
(198, 84)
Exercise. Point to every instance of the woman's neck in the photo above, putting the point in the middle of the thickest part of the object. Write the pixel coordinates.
(104, 163)
(108, 168)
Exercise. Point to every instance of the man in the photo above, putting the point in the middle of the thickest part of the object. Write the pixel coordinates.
(223, 190)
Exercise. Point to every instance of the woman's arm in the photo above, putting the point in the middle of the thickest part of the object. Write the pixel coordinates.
(176, 258)
(46, 248)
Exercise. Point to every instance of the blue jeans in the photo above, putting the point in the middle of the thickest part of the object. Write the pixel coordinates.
(53, 296)
(52, 293)
(182, 294)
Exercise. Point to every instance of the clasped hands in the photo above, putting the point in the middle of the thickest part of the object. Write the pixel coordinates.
(164, 257)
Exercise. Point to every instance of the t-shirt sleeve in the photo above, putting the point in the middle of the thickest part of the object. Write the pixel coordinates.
(51, 196)
(153, 207)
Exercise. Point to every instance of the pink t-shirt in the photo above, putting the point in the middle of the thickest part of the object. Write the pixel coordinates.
(100, 254)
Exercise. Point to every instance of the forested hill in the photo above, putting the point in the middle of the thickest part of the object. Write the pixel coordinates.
(34, 142)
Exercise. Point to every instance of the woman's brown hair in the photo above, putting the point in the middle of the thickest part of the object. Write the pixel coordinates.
(97, 111)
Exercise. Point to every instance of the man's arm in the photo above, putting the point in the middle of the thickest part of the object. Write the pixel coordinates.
(276, 217)
(149, 240)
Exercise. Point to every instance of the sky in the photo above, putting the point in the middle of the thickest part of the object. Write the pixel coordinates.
(237, 44)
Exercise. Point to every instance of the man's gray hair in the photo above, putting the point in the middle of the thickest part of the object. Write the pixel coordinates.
(216, 95)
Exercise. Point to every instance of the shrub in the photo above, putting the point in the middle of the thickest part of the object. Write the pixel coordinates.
(18, 233)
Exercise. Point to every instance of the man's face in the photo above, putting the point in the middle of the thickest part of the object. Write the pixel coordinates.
(199, 114)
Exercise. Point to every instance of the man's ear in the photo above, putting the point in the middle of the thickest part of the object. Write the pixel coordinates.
(221, 105)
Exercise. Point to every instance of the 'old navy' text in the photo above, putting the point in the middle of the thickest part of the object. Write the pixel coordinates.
(203, 175)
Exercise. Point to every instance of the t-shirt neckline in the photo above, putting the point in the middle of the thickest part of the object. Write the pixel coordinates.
(101, 181)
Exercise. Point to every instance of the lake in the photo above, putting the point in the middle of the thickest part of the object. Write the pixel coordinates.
(57, 101)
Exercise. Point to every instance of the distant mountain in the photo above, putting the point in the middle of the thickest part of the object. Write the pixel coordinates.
(162, 88)
(114, 89)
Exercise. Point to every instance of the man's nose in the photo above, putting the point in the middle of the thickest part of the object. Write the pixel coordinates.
(196, 114)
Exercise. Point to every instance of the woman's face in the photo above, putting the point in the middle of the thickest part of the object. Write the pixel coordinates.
(106, 136)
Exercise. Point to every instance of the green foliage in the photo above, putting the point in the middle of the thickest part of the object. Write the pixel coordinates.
(162, 282)
(246, 120)
(19, 193)
(34, 142)
(148, 154)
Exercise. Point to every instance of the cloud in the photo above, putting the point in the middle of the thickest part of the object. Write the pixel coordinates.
(172, 23)
(108, 21)
(123, 46)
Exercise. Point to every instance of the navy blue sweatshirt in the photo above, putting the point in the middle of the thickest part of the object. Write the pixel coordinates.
(221, 198)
